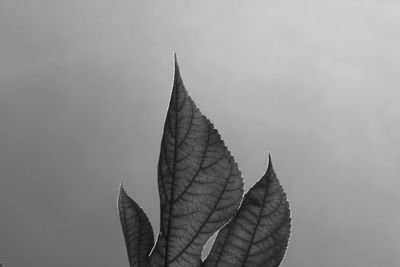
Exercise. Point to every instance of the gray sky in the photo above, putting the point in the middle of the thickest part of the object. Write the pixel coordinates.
(84, 87)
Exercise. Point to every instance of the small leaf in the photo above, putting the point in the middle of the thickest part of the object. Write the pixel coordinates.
(258, 235)
(199, 182)
(138, 233)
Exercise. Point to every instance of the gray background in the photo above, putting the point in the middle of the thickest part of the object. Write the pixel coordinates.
(84, 87)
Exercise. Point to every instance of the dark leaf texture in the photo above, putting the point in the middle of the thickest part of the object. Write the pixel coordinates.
(199, 182)
(139, 238)
(258, 235)
(200, 189)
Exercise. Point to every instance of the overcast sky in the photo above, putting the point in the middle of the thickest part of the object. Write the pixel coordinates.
(84, 87)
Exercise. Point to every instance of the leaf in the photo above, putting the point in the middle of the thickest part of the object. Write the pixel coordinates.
(199, 182)
(138, 233)
(258, 235)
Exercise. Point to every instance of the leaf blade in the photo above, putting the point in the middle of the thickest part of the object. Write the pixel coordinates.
(258, 234)
(200, 184)
(137, 230)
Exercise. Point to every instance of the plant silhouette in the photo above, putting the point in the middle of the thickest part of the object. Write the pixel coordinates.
(201, 189)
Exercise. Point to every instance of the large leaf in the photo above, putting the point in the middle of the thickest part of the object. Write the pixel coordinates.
(199, 182)
(258, 235)
(139, 238)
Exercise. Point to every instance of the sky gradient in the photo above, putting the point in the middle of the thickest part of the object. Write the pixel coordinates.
(84, 88)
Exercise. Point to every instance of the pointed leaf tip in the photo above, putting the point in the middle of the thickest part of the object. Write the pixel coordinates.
(121, 195)
(270, 168)
(177, 74)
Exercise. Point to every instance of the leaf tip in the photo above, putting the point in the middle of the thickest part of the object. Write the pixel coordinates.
(121, 188)
(122, 195)
(270, 168)
(176, 70)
